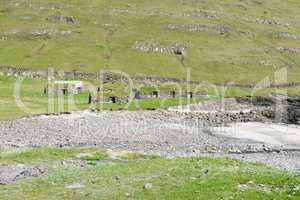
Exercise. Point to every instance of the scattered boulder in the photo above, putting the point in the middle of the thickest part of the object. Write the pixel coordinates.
(189, 27)
(10, 174)
(148, 186)
(206, 172)
(267, 63)
(75, 186)
(266, 21)
(44, 32)
(74, 163)
(127, 194)
(55, 6)
(61, 18)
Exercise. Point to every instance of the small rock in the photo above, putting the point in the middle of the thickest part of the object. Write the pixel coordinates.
(75, 186)
(205, 173)
(148, 186)
(127, 194)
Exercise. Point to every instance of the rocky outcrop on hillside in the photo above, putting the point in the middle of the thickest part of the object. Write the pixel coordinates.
(279, 109)
(285, 109)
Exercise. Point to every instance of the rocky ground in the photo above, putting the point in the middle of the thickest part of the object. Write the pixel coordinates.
(163, 132)
(10, 174)
(167, 133)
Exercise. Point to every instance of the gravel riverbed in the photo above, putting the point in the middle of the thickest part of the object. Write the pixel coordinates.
(167, 133)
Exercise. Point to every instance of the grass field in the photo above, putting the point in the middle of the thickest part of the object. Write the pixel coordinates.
(104, 33)
(30, 99)
(124, 177)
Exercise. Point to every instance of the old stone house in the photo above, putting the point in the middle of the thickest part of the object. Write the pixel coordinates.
(64, 87)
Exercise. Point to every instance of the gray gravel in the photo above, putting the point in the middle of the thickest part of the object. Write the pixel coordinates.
(166, 133)
(163, 132)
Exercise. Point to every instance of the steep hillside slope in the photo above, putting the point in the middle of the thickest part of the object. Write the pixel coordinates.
(230, 40)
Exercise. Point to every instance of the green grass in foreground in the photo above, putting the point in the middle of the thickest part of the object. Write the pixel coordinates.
(178, 178)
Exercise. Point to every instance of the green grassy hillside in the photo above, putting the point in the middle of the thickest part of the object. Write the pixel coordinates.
(230, 40)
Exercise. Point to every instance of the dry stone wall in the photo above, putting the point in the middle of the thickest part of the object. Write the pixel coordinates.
(289, 36)
(291, 50)
(206, 14)
(220, 29)
(34, 34)
(111, 77)
(156, 47)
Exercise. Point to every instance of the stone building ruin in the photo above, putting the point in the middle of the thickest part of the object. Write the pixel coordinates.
(64, 87)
